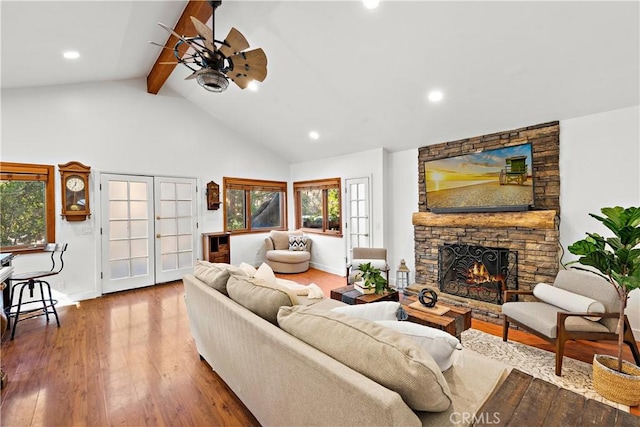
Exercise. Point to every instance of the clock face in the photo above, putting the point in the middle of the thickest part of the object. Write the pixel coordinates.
(75, 183)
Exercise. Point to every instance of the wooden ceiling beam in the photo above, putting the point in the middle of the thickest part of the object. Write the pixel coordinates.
(161, 72)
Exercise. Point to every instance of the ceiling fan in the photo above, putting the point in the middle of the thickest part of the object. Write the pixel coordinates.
(214, 62)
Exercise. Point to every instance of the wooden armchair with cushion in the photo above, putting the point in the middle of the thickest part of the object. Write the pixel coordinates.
(579, 306)
(376, 256)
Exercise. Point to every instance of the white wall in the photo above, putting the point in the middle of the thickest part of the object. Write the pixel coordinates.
(117, 127)
(328, 252)
(599, 167)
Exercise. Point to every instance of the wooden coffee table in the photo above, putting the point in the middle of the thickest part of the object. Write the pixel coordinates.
(455, 321)
(349, 295)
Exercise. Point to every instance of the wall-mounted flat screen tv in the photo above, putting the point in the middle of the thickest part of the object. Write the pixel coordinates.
(489, 181)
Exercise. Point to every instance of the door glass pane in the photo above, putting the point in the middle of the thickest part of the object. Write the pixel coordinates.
(167, 191)
(139, 248)
(119, 269)
(184, 243)
(117, 190)
(138, 190)
(168, 209)
(184, 208)
(139, 266)
(139, 210)
(183, 191)
(119, 249)
(118, 210)
(184, 260)
(118, 229)
(168, 244)
(139, 228)
(184, 225)
(169, 261)
(168, 226)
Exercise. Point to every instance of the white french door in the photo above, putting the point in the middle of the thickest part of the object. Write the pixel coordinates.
(148, 230)
(358, 224)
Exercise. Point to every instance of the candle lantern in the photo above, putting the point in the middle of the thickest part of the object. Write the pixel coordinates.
(402, 276)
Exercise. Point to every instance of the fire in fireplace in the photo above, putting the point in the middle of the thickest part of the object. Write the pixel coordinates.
(477, 272)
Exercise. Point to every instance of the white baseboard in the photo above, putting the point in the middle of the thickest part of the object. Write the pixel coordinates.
(327, 269)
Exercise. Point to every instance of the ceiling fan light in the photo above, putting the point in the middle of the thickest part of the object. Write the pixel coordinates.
(213, 81)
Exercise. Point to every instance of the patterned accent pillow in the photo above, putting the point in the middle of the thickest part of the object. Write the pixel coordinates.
(297, 243)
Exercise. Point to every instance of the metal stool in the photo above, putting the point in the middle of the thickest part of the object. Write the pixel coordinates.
(42, 306)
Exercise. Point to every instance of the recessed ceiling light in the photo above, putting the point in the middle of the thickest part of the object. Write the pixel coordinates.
(253, 86)
(314, 135)
(371, 4)
(435, 96)
(72, 54)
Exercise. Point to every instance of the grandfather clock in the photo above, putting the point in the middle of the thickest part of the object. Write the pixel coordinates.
(75, 191)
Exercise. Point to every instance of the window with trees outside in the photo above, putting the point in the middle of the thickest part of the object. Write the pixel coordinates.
(318, 206)
(252, 205)
(27, 209)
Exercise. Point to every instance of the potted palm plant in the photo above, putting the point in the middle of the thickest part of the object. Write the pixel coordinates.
(616, 259)
(371, 278)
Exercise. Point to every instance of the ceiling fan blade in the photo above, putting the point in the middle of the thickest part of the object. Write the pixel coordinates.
(241, 81)
(252, 64)
(235, 42)
(174, 33)
(204, 31)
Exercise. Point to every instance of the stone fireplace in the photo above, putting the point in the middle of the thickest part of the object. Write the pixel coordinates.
(531, 237)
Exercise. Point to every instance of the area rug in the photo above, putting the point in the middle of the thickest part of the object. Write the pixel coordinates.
(576, 375)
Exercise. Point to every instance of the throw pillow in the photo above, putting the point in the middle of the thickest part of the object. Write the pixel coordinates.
(259, 297)
(445, 349)
(265, 273)
(248, 268)
(568, 300)
(381, 354)
(382, 310)
(215, 275)
(297, 243)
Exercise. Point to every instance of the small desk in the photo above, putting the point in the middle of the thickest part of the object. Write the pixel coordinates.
(349, 295)
(455, 321)
(522, 400)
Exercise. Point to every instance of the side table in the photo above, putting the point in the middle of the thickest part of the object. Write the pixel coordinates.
(455, 321)
(349, 295)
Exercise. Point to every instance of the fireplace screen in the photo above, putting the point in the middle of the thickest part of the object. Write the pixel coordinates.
(477, 272)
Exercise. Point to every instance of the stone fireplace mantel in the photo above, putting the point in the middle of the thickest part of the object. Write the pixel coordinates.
(538, 220)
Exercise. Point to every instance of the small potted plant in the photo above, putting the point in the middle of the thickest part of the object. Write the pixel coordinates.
(617, 260)
(371, 279)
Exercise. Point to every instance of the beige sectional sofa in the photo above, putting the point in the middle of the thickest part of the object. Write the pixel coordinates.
(284, 381)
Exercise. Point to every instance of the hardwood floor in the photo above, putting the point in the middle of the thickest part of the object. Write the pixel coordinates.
(129, 359)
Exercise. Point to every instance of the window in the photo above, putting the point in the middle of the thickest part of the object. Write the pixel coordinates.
(318, 206)
(27, 209)
(253, 205)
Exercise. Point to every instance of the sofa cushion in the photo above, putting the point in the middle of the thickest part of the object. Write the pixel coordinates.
(265, 273)
(381, 310)
(297, 243)
(259, 297)
(379, 353)
(247, 268)
(215, 275)
(568, 300)
(445, 349)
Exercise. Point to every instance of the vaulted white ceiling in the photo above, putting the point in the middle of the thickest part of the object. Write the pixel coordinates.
(358, 77)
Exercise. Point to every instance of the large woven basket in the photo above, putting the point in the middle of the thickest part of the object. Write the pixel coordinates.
(621, 387)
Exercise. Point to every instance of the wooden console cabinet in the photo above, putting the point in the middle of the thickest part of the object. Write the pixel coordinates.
(216, 247)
